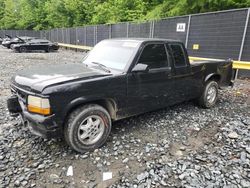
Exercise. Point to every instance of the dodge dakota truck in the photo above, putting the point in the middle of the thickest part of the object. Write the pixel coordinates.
(117, 79)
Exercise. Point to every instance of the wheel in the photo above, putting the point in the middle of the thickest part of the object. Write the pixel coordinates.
(87, 128)
(210, 95)
(49, 49)
(23, 49)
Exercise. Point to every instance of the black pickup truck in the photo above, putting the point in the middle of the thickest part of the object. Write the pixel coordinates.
(118, 78)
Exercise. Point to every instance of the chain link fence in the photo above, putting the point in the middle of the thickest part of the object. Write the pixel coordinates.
(14, 33)
(223, 34)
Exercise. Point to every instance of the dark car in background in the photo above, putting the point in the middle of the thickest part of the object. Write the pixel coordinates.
(6, 39)
(36, 45)
(17, 40)
(1, 40)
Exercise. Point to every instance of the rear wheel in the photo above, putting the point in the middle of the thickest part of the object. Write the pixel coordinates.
(209, 96)
(87, 128)
(22, 49)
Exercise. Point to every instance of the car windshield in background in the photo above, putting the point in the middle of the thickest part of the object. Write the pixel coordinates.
(16, 39)
(112, 54)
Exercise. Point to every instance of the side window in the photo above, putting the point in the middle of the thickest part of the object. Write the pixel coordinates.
(154, 55)
(178, 55)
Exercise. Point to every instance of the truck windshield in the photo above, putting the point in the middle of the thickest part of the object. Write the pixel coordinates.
(112, 54)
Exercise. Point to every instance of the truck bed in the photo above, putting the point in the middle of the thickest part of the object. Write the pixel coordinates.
(199, 62)
(209, 67)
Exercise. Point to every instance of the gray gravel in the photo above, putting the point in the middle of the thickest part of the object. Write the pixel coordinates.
(180, 146)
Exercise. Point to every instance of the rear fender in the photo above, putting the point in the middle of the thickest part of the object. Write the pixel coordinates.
(214, 76)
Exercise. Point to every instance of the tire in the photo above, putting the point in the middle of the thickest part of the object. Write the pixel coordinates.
(22, 49)
(83, 134)
(50, 49)
(209, 96)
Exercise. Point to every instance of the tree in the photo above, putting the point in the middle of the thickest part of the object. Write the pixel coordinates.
(113, 11)
(10, 14)
(45, 14)
(79, 11)
(32, 15)
(56, 14)
(2, 7)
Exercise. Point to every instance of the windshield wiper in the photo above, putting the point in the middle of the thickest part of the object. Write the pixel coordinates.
(103, 67)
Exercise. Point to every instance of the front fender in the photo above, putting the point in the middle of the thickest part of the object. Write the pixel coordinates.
(76, 102)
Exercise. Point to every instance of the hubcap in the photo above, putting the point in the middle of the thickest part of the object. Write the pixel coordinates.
(211, 94)
(91, 129)
(23, 49)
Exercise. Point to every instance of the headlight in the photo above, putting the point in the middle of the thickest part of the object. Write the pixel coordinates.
(38, 105)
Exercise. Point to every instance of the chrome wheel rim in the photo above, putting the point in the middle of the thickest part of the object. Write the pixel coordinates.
(91, 129)
(211, 94)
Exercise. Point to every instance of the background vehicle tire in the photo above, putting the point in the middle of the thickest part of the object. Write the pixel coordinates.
(210, 95)
(22, 49)
(50, 49)
(87, 128)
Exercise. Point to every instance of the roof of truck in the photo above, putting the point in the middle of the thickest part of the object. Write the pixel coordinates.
(144, 39)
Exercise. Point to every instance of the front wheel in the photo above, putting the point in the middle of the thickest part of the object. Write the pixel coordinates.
(22, 49)
(87, 128)
(209, 96)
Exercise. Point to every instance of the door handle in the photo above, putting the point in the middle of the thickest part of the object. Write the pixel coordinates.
(164, 69)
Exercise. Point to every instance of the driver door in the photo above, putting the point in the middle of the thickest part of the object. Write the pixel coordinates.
(150, 89)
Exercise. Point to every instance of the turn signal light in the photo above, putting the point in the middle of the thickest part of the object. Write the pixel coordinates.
(38, 105)
(43, 111)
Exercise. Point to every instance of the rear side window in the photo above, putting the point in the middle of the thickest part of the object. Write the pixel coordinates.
(154, 55)
(178, 55)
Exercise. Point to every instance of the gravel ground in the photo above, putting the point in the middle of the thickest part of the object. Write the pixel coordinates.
(180, 146)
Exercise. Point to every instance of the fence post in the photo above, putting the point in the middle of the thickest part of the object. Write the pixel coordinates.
(62, 35)
(68, 36)
(127, 29)
(95, 37)
(110, 31)
(243, 41)
(76, 35)
(152, 28)
(57, 37)
(85, 35)
(188, 27)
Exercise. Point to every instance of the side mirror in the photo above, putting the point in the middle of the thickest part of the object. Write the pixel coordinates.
(140, 68)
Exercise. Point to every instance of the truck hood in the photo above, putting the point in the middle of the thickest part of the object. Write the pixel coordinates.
(38, 78)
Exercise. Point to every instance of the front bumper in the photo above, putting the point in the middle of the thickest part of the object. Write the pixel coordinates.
(7, 45)
(44, 126)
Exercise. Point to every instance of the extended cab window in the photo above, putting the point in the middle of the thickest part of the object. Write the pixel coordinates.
(154, 55)
(178, 55)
